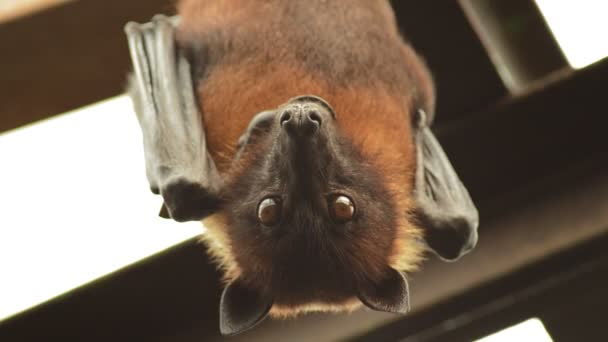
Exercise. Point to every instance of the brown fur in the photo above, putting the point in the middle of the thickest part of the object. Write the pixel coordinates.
(259, 53)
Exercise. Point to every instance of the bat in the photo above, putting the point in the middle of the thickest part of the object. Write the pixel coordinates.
(299, 133)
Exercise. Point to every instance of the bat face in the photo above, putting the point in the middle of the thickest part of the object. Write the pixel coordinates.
(309, 219)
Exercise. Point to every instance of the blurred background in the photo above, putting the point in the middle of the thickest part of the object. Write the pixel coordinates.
(521, 112)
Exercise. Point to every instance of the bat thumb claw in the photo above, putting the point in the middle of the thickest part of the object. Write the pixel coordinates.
(164, 212)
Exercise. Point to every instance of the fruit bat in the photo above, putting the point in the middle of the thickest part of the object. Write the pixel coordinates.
(298, 132)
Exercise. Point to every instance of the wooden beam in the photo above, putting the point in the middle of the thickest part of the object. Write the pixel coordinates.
(465, 77)
(66, 57)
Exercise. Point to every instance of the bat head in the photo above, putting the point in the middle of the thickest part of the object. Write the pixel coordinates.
(311, 223)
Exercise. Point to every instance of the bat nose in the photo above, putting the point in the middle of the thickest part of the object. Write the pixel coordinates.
(301, 121)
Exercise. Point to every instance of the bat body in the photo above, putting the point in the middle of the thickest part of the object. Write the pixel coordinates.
(255, 55)
(298, 131)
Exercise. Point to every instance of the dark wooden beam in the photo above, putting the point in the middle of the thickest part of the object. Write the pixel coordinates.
(465, 77)
(527, 138)
(156, 298)
(66, 57)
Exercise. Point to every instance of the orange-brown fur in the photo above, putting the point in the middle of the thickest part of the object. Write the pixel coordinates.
(373, 108)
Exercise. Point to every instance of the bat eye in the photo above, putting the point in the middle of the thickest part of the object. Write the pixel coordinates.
(269, 211)
(341, 208)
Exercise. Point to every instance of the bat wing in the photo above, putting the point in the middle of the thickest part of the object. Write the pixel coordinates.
(445, 209)
(178, 165)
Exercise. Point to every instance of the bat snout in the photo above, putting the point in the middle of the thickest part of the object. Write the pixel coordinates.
(301, 120)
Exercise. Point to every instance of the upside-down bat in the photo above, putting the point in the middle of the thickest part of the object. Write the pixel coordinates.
(298, 131)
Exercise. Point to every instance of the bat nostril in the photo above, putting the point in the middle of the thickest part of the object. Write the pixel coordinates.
(285, 117)
(315, 116)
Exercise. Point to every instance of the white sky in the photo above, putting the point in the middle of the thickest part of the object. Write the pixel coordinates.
(75, 204)
(580, 27)
(531, 330)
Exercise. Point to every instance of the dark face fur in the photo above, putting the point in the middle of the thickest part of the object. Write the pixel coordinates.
(307, 253)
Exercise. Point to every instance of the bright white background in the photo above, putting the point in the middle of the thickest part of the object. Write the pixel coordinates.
(75, 204)
(580, 27)
(531, 330)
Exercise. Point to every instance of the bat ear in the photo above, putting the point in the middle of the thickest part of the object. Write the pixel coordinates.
(241, 308)
(444, 208)
(389, 295)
